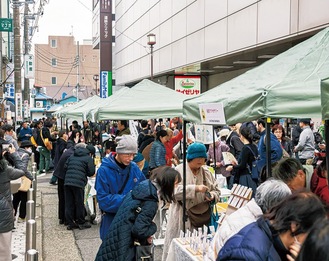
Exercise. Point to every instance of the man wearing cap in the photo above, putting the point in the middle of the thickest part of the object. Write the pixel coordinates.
(305, 146)
(116, 176)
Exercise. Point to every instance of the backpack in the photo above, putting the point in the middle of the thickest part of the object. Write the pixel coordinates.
(254, 170)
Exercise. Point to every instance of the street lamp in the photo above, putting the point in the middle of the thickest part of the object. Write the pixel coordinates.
(96, 78)
(151, 40)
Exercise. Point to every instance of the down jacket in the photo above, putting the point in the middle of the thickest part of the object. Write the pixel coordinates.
(157, 155)
(128, 225)
(78, 167)
(7, 174)
(253, 242)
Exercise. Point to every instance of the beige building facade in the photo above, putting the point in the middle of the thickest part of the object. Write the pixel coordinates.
(216, 39)
(63, 64)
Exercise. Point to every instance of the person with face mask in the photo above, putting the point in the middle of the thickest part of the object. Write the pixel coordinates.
(24, 152)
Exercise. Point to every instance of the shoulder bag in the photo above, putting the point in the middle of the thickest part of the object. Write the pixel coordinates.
(253, 171)
(46, 141)
(200, 214)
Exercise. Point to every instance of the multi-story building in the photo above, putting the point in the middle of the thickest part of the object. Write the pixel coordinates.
(66, 68)
(216, 39)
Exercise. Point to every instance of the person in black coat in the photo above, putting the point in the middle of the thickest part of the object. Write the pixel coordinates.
(134, 219)
(59, 149)
(78, 167)
(59, 172)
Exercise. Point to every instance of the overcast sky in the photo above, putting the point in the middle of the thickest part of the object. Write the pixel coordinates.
(62, 17)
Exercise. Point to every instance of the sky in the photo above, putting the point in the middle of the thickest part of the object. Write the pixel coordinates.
(62, 17)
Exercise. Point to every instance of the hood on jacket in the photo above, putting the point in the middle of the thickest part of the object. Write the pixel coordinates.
(80, 152)
(145, 191)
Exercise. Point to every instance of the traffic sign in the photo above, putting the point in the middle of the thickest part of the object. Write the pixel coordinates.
(6, 25)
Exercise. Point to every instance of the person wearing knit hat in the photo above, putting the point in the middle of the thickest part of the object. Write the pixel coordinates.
(201, 187)
(117, 175)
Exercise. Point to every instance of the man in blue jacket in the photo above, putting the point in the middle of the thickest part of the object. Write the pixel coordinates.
(276, 149)
(116, 176)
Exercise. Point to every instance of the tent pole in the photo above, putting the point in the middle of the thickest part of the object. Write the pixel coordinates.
(326, 136)
(184, 174)
(268, 147)
(214, 147)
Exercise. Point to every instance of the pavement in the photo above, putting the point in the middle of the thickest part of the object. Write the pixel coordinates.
(54, 241)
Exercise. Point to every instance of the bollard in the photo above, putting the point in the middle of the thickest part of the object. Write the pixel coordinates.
(31, 255)
(34, 182)
(31, 235)
(30, 210)
(30, 194)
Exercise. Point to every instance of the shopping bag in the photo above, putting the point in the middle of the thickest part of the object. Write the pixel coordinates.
(25, 184)
(214, 216)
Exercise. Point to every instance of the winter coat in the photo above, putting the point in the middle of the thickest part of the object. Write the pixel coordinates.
(232, 224)
(109, 180)
(319, 186)
(253, 242)
(45, 134)
(59, 149)
(59, 171)
(128, 225)
(276, 150)
(242, 174)
(7, 174)
(175, 212)
(306, 145)
(25, 157)
(78, 167)
(157, 155)
(10, 140)
(220, 147)
(169, 145)
(147, 139)
(235, 144)
(23, 132)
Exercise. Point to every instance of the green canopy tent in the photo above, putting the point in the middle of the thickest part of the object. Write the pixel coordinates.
(287, 86)
(87, 111)
(62, 112)
(79, 110)
(145, 100)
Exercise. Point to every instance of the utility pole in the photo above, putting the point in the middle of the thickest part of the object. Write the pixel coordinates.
(17, 47)
(78, 70)
(26, 96)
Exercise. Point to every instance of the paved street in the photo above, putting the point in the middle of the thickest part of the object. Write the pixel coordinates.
(54, 241)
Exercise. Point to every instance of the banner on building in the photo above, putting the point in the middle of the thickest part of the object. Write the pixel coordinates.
(105, 84)
(19, 109)
(29, 66)
(188, 85)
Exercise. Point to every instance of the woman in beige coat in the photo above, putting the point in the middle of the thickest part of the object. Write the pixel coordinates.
(196, 190)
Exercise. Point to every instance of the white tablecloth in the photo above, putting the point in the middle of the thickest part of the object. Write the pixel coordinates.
(179, 252)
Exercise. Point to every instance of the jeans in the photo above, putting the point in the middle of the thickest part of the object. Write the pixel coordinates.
(44, 159)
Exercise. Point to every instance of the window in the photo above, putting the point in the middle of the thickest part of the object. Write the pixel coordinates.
(53, 62)
(53, 80)
(53, 43)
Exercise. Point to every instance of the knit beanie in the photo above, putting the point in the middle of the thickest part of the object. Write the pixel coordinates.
(126, 144)
(139, 157)
(196, 150)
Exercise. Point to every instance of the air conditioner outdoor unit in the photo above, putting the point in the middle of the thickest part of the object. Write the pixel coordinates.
(39, 104)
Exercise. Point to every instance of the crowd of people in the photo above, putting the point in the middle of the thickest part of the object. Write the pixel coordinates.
(138, 175)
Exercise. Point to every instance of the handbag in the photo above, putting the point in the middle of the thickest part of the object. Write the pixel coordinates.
(253, 170)
(47, 142)
(25, 184)
(15, 185)
(143, 253)
(199, 214)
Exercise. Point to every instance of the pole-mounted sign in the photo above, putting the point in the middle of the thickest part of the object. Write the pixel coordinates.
(6, 25)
